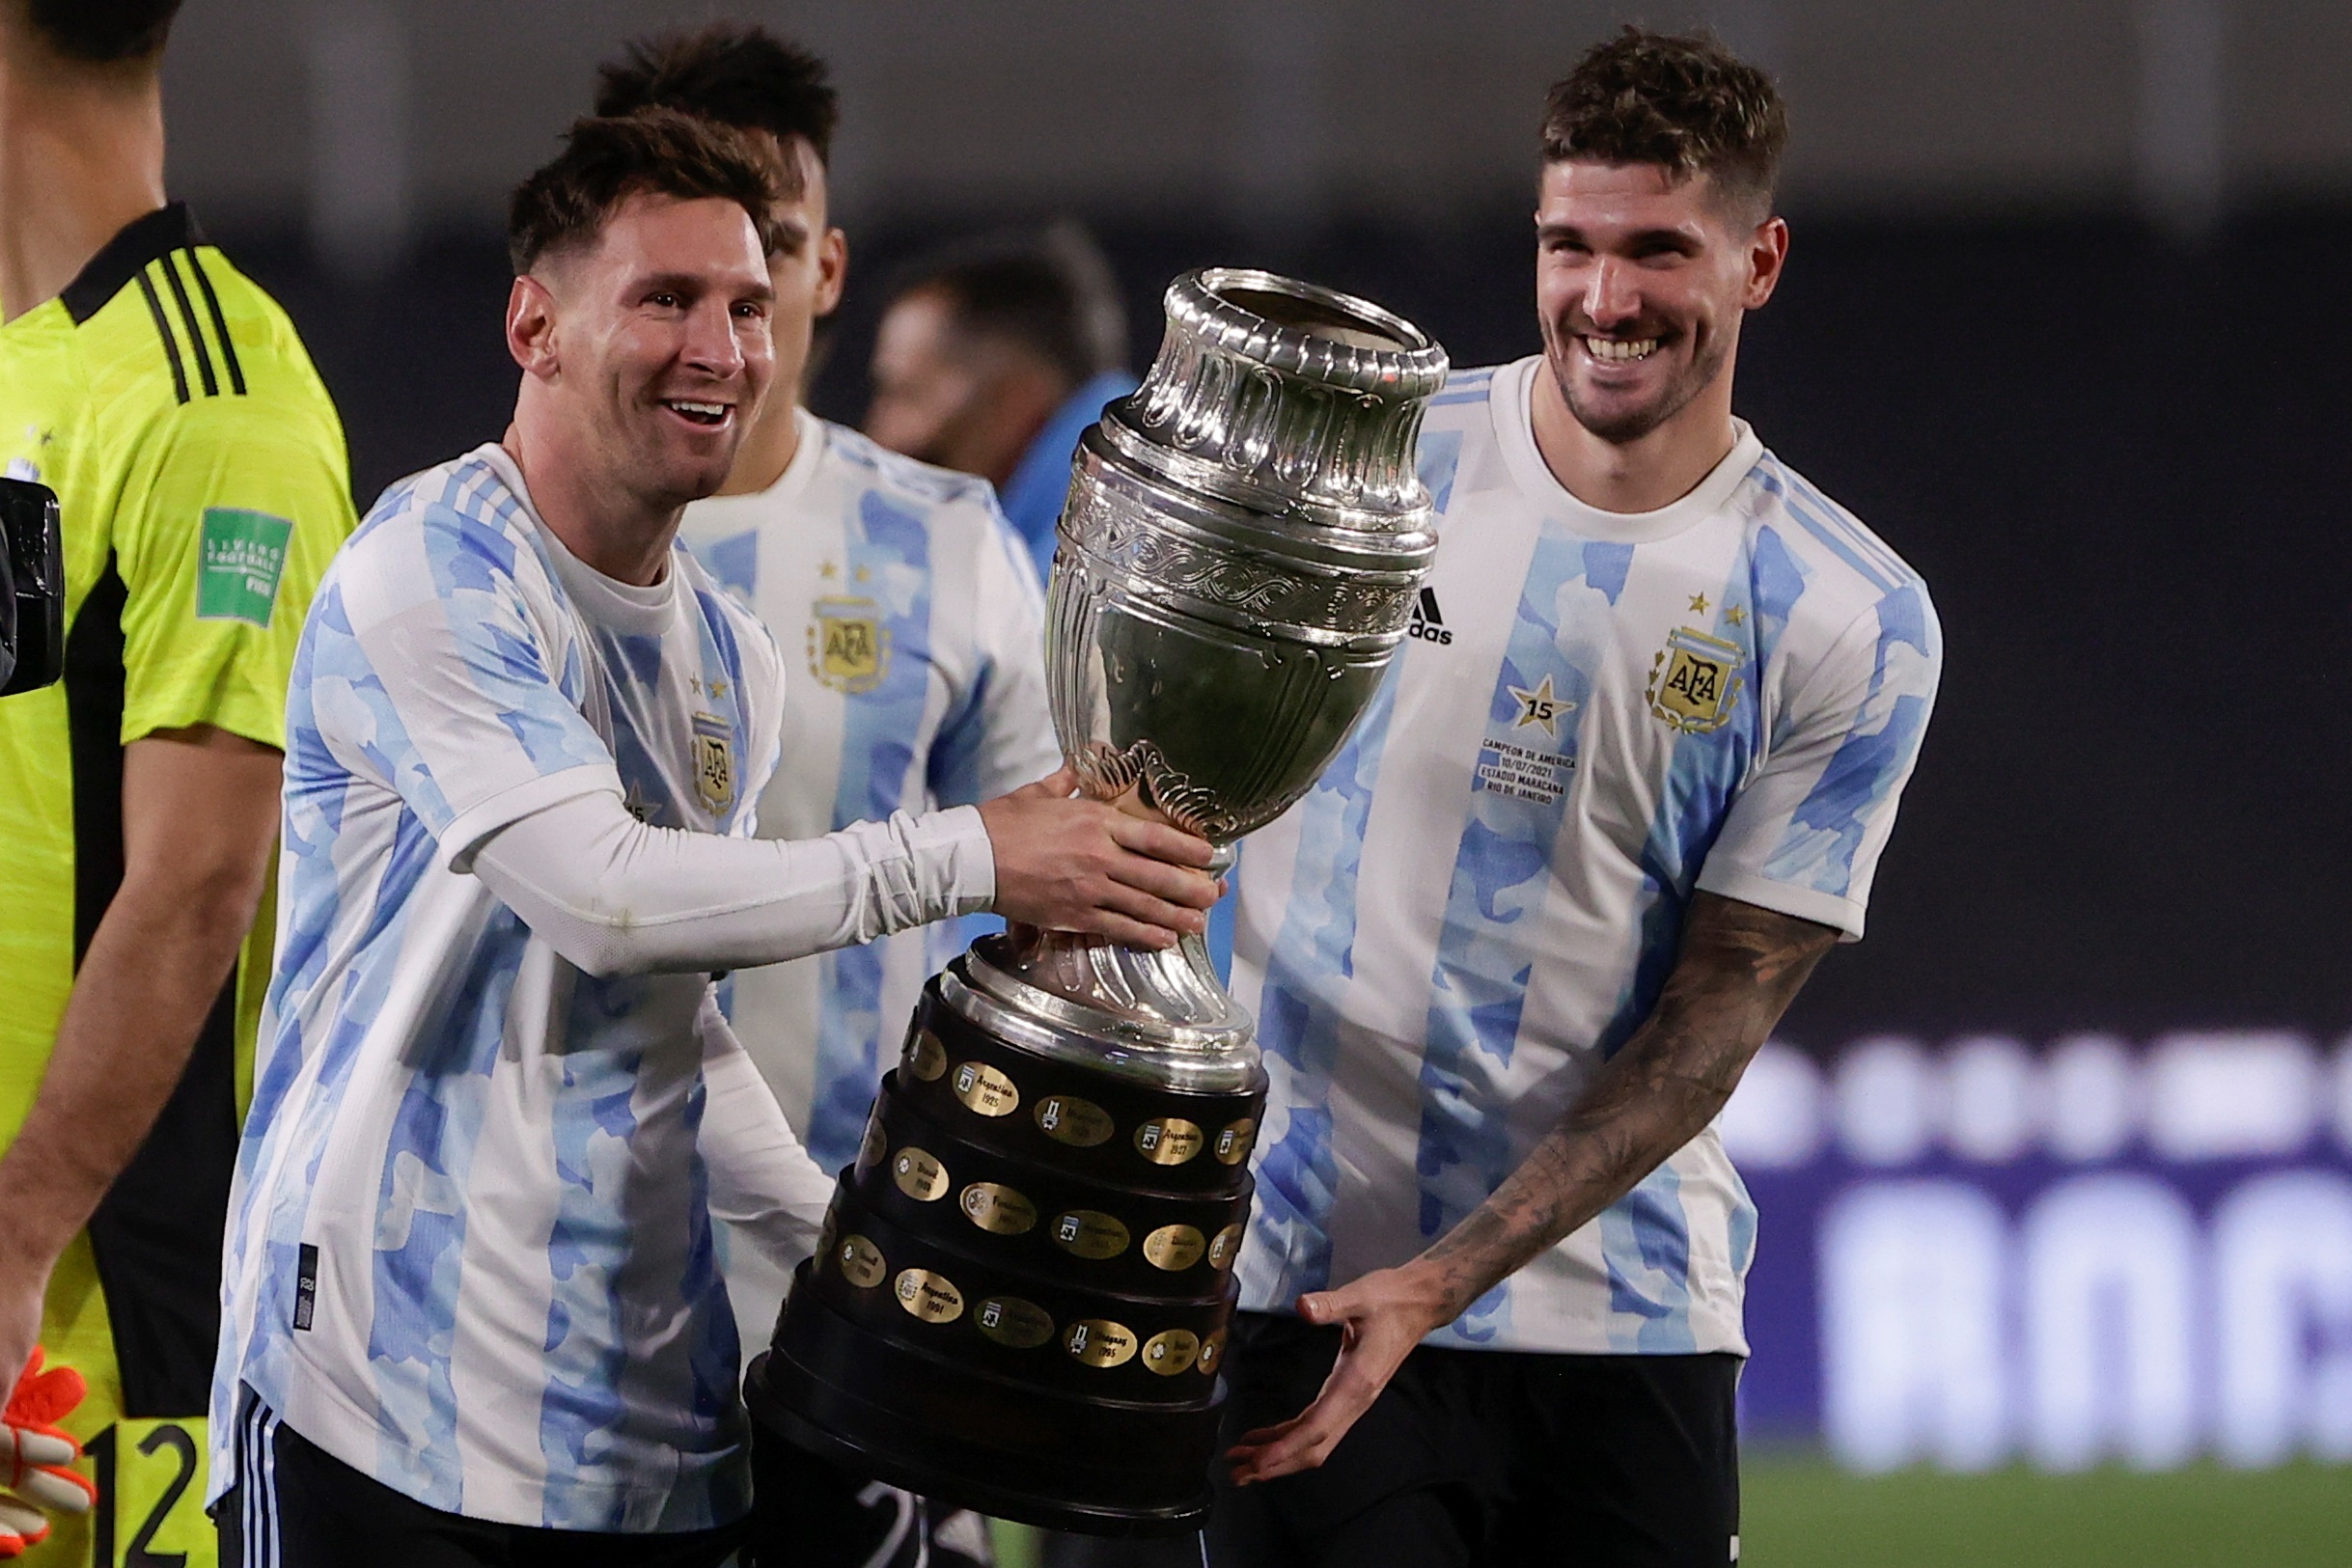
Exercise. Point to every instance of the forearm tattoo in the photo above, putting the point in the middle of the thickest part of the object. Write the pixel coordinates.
(1739, 970)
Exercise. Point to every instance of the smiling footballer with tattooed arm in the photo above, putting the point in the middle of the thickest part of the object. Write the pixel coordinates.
(1510, 956)
(1740, 968)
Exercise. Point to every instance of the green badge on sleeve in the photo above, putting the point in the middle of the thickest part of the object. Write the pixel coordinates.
(244, 554)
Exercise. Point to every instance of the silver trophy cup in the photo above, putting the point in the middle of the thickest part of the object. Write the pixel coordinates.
(1023, 1293)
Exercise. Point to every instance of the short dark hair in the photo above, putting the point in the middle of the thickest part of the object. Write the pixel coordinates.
(1683, 100)
(566, 204)
(1051, 292)
(742, 76)
(103, 32)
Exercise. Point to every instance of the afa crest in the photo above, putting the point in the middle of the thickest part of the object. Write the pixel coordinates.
(1694, 681)
(714, 763)
(849, 644)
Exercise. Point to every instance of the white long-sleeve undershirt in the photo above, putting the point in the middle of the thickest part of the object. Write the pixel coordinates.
(616, 896)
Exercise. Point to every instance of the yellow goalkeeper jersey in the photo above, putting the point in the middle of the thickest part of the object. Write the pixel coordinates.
(201, 470)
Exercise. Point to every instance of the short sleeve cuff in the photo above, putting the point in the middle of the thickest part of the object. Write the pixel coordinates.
(1780, 897)
(474, 826)
(240, 711)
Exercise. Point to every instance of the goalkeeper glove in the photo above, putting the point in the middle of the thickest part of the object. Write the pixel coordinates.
(33, 1454)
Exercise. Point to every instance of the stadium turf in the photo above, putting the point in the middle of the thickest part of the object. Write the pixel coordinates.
(1804, 1513)
(1799, 1513)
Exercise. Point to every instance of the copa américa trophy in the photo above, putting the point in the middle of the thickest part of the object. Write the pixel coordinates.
(1021, 1296)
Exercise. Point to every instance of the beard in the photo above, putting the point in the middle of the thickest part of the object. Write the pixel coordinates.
(652, 468)
(1621, 425)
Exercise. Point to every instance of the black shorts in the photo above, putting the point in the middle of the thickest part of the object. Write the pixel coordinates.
(1475, 1457)
(296, 1506)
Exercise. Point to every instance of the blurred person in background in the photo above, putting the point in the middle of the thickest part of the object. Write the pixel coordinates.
(1510, 958)
(993, 357)
(202, 474)
(912, 624)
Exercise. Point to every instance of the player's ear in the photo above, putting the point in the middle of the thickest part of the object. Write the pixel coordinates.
(1767, 254)
(531, 327)
(832, 271)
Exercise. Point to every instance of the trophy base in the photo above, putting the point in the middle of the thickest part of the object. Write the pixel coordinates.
(1024, 1282)
(941, 1432)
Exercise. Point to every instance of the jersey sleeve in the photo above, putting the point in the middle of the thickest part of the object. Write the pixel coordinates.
(229, 517)
(1000, 735)
(1804, 836)
(433, 672)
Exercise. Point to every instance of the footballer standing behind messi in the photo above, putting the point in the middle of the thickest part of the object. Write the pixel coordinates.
(1511, 954)
(911, 622)
(199, 469)
(473, 1313)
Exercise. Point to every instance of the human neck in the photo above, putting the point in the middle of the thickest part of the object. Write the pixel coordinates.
(768, 449)
(81, 155)
(1652, 471)
(604, 525)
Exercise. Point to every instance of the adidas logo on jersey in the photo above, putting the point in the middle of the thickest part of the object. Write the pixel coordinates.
(1427, 625)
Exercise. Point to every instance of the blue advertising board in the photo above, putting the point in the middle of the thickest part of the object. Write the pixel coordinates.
(2098, 1252)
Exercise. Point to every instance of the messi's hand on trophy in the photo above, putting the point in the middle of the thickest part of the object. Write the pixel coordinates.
(1073, 865)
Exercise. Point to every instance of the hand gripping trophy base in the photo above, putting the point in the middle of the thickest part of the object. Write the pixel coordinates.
(1021, 1298)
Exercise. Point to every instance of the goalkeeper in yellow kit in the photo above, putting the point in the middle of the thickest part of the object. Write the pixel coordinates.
(201, 472)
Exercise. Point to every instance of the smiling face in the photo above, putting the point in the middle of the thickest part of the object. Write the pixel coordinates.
(655, 351)
(1641, 281)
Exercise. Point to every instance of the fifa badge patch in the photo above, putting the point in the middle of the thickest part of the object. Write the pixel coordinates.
(242, 555)
(1694, 681)
(714, 763)
(849, 644)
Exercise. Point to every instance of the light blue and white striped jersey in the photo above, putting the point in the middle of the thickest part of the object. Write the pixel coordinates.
(1476, 906)
(469, 1251)
(912, 628)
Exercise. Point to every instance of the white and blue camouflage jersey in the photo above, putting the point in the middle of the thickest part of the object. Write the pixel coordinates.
(469, 1251)
(1596, 715)
(913, 628)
